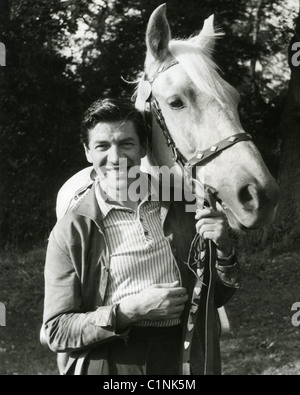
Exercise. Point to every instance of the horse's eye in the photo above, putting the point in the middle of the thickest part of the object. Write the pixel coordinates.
(177, 104)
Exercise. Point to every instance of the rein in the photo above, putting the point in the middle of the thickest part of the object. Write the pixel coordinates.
(203, 256)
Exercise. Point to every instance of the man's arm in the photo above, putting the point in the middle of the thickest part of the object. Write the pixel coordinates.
(212, 225)
(156, 303)
(67, 327)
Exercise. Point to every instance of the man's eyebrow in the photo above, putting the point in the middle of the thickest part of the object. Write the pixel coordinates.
(100, 142)
(125, 139)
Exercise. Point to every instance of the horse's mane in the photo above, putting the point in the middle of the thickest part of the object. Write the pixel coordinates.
(198, 64)
(203, 71)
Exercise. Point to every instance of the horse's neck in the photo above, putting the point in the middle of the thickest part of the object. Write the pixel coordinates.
(160, 154)
(160, 158)
(147, 164)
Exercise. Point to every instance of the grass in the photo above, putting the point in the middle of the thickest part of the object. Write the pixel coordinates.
(22, 288)
(263, 340)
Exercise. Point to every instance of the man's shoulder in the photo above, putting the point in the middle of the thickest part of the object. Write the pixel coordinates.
(71, 228)
(73, 190)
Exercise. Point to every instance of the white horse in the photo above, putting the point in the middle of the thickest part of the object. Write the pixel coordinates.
(200, 112)
(195, 125)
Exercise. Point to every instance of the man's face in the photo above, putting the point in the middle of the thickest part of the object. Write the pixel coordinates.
(114, 148)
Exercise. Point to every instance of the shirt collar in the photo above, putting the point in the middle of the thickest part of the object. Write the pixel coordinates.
(152, 194)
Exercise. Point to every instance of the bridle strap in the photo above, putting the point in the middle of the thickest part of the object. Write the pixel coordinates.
(178, 157)
(222, 145)
(162, 69)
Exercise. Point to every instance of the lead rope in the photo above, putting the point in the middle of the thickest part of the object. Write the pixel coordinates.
(202, 262)
(210, 302)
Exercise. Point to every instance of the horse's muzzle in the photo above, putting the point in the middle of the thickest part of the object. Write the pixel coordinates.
(254, 206)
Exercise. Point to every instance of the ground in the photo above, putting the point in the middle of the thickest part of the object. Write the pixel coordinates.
(263, 340)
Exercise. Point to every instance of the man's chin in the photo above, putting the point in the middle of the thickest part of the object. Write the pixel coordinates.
(116, 185)
(117, 178)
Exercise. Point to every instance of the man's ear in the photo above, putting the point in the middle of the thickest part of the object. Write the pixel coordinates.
(88, 154)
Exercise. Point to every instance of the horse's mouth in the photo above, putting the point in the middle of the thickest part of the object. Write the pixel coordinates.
(248, 211)
(256, 220)
(232, 219)
(233, 222)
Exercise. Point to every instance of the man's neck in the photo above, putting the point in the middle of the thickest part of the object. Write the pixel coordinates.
(132, 205)
(127, 203)
(122, 200)
(121, 197)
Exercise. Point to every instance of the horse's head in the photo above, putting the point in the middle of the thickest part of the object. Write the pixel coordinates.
(200, 109)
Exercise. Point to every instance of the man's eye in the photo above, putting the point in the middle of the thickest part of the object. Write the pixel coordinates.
(127, 144)
(102, 147)
(176, 104)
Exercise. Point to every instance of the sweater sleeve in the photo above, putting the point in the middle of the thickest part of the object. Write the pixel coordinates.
(67, 326)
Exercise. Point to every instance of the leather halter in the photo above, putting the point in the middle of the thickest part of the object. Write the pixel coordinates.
(202, 156)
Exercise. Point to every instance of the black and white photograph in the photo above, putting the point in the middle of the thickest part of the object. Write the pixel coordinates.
(150, 190)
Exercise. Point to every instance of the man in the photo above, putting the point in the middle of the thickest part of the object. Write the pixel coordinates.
(117, 284)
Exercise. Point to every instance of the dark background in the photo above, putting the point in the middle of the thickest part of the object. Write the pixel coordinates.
(62, 55)
(52, 76)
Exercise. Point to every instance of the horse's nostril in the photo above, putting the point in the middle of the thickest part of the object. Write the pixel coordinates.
(248, 197)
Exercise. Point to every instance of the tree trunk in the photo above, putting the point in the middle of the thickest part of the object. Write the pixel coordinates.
(258, 13)
(288, 217)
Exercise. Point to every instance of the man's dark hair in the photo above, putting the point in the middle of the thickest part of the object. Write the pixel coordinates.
(112, 110)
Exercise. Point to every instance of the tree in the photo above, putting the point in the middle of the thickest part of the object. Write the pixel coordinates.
(61, 55)
(39, 113)
(288, 219)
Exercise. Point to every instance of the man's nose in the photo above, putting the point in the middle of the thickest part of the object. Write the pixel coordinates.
(114, 154)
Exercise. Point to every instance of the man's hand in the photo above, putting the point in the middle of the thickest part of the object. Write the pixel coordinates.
(212, 225)
(158, 302)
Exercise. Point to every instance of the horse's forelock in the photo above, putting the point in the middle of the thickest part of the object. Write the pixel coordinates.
(203, 71)
(198, 64)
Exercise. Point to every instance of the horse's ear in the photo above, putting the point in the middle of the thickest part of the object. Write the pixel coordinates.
(206, 39)
(158, 34)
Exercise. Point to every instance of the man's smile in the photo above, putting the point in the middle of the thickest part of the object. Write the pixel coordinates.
(117, 170)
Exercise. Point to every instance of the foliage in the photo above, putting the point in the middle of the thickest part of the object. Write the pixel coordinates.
(40, 111)
(287, 221)
(61, 55)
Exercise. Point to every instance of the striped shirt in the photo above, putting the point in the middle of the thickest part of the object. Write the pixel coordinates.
(140, 255)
